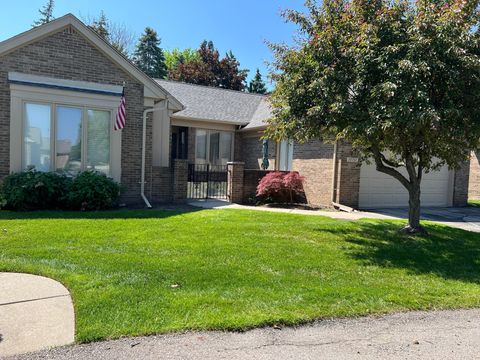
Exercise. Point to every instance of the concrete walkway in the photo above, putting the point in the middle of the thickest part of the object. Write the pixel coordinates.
(466, 218)
(35, 313)
(416, 335)
(355, 215)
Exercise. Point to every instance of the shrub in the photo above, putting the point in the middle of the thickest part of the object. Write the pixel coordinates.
(91, 190)
(31, 189)
(3, 201)
(281, 187)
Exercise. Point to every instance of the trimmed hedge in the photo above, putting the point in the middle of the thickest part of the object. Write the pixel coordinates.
(36, 190)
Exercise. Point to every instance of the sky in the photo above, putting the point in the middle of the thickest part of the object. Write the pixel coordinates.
(242, 26)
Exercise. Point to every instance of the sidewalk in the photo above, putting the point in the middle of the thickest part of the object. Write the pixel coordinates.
(35, 313)
(355, 215)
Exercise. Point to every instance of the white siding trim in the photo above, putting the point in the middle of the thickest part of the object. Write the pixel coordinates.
(73, 84)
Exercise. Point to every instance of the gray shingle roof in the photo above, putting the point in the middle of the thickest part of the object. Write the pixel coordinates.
(214, 104)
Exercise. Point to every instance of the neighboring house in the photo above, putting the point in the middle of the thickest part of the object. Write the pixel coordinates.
(60, 86)
(474, 180)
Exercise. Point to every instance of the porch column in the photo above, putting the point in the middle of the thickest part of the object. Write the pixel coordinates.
(235, 173)
(180, 180)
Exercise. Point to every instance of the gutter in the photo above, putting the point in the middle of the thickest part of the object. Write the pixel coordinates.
(144, 142)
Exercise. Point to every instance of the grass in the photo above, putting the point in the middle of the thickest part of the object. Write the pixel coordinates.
(236, 269)
(475, 203)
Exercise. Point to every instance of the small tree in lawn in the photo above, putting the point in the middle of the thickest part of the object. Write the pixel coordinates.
(46, 13)
(149, 56)
(399, 80)
(257, 85)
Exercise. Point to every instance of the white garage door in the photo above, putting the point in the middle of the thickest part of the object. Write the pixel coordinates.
(379, 190)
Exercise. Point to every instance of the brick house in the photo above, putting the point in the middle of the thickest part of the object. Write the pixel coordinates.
(60, 85)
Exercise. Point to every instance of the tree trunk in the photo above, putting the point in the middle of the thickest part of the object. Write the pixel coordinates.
(413, 226)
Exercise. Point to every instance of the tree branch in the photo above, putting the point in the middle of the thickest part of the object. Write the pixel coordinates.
(378, 157)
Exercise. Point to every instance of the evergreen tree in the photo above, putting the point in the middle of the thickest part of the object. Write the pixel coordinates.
(100, 26)
(46, 13)
(257, 85)
(149, 56)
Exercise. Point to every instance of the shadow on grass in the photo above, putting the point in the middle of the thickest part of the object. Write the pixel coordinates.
(156, 213)
(447, 252)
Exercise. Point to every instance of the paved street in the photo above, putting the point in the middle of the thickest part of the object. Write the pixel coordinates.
(416, 335)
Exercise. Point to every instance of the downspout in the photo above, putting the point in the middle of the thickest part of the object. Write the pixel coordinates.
(334, 178)
(144, 144)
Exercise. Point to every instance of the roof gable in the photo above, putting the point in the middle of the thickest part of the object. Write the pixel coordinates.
(151, 88)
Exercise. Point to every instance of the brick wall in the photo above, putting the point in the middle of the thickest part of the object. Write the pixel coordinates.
(460, 185)
(347, 185)
(251, 178)
(314, 161)
(161, 186)
(249, 149)
(235, 176)
(474, 179)
(67, 55)
(180, 180)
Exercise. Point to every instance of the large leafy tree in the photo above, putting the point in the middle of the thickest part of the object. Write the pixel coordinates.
(175, 57)
(399, 80)
(231, 76)
(257, 85)
(208, 69)
(46, 13)
(149, 56)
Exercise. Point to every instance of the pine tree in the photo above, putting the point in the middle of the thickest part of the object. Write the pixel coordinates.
(257, 85)
(149, 56)
(100, 26)
(46, 13)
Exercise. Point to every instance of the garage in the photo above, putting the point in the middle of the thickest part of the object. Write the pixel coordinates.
(379, 190)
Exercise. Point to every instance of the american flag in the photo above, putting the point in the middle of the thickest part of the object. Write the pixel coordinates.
(120, 117)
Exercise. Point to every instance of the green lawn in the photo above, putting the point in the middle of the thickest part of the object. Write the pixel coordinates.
(236, 269)
(475, 203)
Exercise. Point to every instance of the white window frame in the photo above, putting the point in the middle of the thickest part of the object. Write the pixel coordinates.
(284, 155)
(22, 94)
(208, 132)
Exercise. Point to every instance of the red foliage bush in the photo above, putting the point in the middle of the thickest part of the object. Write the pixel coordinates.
(281, 186)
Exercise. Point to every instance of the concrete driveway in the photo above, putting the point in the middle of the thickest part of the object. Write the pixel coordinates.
(467, 218)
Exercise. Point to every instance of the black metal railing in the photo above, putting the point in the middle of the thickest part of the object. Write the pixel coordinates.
(207, 181)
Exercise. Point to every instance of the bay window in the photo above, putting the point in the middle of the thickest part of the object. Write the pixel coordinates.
(67, 138)
(213, 147)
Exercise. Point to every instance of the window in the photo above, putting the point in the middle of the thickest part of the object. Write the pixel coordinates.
(98, 140)
(285, 155)
(216, 146)
(36, 138)
(68, 141)
(201, 147)
(81, 138)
